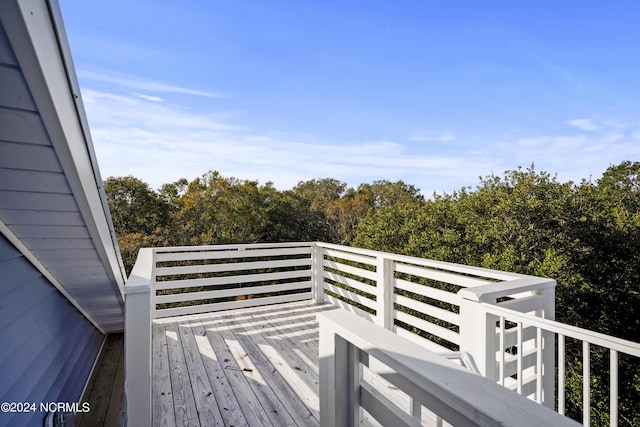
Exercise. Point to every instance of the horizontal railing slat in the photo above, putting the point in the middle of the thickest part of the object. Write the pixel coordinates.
(232, 292)
(441, 276)
(231, 266)
(511, 336)
(350, 295)
(228, 280)
(169, 249)
(382, 409)
(349, 282)
(231, 253)
(511, 363)
(350, 269)
(428, 327)
(349, 307)
(428, 291)
(205, 308)
(428, 309)
(350, 256)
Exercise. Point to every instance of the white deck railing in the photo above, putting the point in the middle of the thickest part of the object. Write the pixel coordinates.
(518, 331)
(349, 345)
(440, 306)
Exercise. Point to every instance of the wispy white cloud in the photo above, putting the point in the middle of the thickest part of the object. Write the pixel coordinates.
(151, 98)
(141, 84)
(583, 124)
(426, 137)
(160, 142)
(574, 156)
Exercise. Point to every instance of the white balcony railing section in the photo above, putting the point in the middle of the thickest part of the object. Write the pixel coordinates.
(446, 308)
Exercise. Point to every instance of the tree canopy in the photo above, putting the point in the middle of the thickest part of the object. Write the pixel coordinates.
(585, 235)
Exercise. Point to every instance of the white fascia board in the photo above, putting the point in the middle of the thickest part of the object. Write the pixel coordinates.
(37, 34)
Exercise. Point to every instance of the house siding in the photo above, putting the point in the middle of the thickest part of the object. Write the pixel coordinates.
(47, 347)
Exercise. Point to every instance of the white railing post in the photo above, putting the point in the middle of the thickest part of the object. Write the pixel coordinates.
(327, 375)
(340, 376)
(549, 349)
(317, 276)
(384, 292)
(137, 344)
(478, 334)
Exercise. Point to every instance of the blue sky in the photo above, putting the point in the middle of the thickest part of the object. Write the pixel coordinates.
(435, 93)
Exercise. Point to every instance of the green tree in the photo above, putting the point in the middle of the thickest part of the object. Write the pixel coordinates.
(134, 206)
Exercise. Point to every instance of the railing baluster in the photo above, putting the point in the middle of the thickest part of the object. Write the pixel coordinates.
(520, 351)
(613, 389)
(586, 385)
(561, 364)
(502, 349)
(539, 365)
(416, 409)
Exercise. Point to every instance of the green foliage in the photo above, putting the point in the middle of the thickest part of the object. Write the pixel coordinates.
(585, 235)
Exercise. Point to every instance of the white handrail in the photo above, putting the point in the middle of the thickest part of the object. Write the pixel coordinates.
(595, 338)
(460, 397)
(588, 338)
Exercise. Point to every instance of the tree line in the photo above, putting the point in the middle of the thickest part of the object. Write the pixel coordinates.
(585, 235)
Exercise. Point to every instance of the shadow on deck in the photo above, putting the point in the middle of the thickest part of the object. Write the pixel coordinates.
(256, 366)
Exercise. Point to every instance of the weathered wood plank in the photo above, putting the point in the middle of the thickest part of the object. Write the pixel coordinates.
(116, 410)
(208, 412)
(183, 402)
(251, 386)
(162, 399)
(245, 359)
(225, 398)
(247, 400)
(270, 374)
(105, 392)
(103, 385)
(304, 383)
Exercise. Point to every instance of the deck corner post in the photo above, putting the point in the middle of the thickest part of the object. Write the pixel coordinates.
(478, 334)
(317, 277)
(340, 376)
(327, 386)
(549, 348)
(384, 292)
(137, 341)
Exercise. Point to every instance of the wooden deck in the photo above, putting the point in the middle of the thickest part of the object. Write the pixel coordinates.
(249, 367)
(105, 390)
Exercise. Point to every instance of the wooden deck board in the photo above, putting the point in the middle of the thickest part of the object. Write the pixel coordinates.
(184, 405)
(254, 367)
(105, 390)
